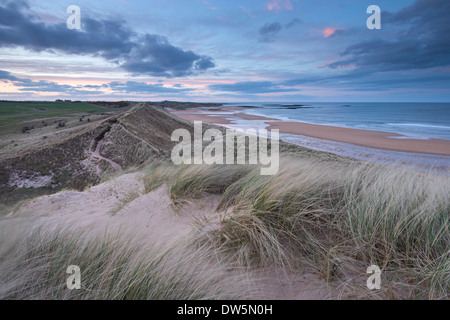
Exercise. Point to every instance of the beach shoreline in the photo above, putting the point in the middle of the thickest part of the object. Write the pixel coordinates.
(365, 138)
(229, 116)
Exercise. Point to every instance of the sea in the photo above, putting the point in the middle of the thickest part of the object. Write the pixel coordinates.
(410, 120)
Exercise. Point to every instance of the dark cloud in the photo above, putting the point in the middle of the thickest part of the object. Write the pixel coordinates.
(269, 31)
(293, 23)
(48, 86)
(90, 86)
(422, 11)
(370, 80)
(156, 56)
(251, 87)
(110, 39)
(423, 42)
(27, 85)
(204, 63)
(336, 79)
(142, 87)
(5, 75)
(43, 86)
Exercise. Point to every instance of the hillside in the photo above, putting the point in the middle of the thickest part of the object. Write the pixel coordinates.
(78, 157)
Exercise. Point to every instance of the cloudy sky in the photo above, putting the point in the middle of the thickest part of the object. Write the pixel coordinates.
(225, 50)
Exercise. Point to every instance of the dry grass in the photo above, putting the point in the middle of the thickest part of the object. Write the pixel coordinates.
(129, 197)
(336, 217)
(112, 268)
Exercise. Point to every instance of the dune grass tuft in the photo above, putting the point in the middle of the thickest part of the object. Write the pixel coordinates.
(332, 216)
(112, 268)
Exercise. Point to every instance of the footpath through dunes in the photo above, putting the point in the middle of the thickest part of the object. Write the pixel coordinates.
(121, 141)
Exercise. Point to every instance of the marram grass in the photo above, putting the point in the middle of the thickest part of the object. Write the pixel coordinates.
(331, 216)
(334, 218)
(113, 268)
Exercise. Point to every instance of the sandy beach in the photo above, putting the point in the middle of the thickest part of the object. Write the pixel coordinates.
(366, 138)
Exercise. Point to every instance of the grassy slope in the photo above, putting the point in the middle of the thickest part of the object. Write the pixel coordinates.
(131, 138)
(13, 112)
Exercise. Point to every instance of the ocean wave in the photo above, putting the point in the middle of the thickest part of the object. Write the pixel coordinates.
(419, 125)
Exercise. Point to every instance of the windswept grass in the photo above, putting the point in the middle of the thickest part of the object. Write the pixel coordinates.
(117, 268)
(189, 182)
(335, 217)
(129, 197)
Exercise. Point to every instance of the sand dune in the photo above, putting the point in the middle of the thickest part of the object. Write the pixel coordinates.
(150, 218)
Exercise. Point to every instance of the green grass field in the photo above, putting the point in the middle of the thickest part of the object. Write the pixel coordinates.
(12, 112)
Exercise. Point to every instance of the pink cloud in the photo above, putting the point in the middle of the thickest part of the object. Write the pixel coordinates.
(279, 4)
(329, 32)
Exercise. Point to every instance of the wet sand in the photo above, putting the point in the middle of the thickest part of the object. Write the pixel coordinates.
(365, 138)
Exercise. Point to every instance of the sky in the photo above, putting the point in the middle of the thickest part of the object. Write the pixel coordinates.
(226, 51)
